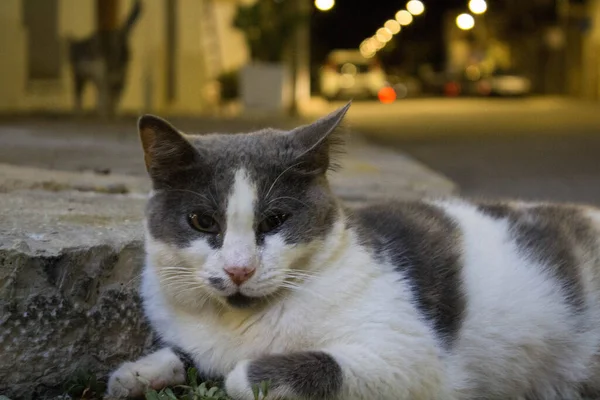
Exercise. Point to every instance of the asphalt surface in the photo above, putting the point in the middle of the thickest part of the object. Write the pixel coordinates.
(533, 149)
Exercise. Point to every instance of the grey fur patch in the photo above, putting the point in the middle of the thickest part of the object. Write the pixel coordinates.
(424, 244)
(288, 169)
(308, 375)
(554, 236)
(217, 283)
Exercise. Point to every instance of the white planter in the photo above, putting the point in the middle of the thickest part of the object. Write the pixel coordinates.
(265, 87)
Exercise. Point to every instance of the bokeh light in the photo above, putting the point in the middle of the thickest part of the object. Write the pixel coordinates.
(378, 44)
(384, 35)
(465, 21)
(393, 26)
(477, 6)
(324, 5)
(404, 17)
(415, 7)
(387, 95)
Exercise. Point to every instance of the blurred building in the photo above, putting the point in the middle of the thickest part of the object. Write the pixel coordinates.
(178, 49)
(555, 43)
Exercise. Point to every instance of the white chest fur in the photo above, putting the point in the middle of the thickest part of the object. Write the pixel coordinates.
(355, 300)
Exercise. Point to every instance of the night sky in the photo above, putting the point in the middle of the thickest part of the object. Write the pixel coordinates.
(352, 21)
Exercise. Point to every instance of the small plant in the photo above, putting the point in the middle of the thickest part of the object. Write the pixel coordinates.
(260, 391)
(268, 26)
(85, 385)
(193, 390)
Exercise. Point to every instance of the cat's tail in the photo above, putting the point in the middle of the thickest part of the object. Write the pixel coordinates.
(133, 17)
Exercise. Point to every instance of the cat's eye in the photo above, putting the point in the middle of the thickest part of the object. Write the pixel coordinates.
(203, 223)
(271, 223)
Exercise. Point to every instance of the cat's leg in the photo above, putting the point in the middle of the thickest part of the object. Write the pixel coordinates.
(155, 371)
(346, 372)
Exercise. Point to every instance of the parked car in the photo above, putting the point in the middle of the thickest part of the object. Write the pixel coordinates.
(499, 83)
(347, 73)
(507, 83)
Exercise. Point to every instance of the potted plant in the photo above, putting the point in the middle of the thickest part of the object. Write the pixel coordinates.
(269, 27)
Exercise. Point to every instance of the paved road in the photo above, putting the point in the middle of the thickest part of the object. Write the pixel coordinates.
(544, 148)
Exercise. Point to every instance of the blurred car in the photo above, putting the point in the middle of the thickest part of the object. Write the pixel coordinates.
(507, 83)
(404, 85)
(348, 74)
(499, 83)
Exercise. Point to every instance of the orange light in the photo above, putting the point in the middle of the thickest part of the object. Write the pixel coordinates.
(452, 89)
(387, 95)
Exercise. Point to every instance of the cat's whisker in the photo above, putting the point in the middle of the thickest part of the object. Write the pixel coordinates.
(175, 267)
(279, 177)
(127, 284)
(182, 274)
(300, 274)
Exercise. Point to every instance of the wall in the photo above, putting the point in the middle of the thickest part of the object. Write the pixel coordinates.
(591, 53)
(12, 53)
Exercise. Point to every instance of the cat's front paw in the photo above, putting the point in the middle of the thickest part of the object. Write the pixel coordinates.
(154, 371)
(237, 384)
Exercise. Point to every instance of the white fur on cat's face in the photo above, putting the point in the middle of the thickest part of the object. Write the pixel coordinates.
(198, 264)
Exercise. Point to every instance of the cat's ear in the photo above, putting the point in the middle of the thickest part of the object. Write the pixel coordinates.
(166, 150)
(318, 141)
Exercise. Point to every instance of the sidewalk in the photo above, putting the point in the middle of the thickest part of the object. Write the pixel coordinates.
(71, 238)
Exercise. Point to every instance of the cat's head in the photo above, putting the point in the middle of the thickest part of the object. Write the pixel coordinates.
(237, 218)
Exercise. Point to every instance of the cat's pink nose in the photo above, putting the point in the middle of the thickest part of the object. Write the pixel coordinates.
(239, 275)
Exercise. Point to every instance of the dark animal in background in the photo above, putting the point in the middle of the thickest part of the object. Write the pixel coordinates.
(103, 61)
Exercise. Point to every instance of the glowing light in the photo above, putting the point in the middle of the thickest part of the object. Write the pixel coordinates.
(387, 95)
(415, 7)
(349, 69)
(404, 17)
(368, 47)
(347, 81)
(384, 35)
(324, 5)
(465, 21)
(378, 44)
(367, 52)
(477, 6)
(393, 26)
(452, 89)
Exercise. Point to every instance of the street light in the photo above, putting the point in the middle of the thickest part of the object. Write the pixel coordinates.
(392, 25)
(404, 17)
(368, 48)
(465, 21)
(324, 5)
(384, 35)
(477, 6)
(415, 7)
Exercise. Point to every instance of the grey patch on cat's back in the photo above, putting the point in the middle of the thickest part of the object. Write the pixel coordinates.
(424, 244)
(555, 236)
(495, 210)
(308, 375)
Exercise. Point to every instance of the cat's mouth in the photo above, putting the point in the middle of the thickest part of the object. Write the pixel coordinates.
(239, 300)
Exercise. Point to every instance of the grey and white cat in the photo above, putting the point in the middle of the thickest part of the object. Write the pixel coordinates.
(257, 272)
